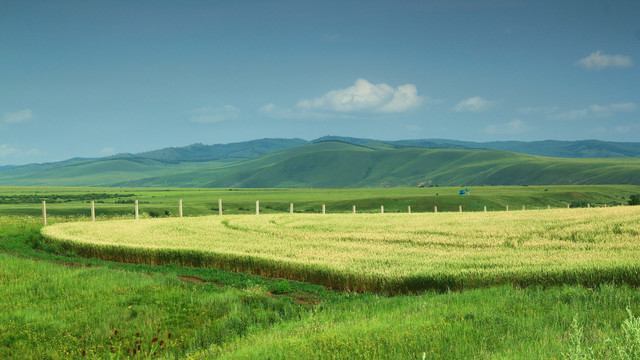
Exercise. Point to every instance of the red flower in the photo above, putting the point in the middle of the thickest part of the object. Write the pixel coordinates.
(84, 353)
(138, 347)
(137, 334)
(169, 336)
(154, 340)
(128, 351)
(134, 351)
(115, 332)
(161, 342)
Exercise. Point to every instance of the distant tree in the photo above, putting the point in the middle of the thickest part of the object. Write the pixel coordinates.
(634, 200)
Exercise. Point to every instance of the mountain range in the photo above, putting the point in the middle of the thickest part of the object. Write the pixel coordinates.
(333, 161)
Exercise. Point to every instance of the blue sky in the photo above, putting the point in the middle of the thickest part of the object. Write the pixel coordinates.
(95, 78)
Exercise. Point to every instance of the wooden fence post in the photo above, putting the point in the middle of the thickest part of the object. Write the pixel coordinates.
(180, 207)
(220, 207)
(507, 208)
(409, 209)
(324, 209)
(44, 212)
(381, 209)
(548, 207)
(291, 208)
(93, 211)
(136, 210)
(435, 209)
(588, 205)
(257, 207)
(485, 208)
(354, 209)
(523, 208)
(568, 206)
(460, 208)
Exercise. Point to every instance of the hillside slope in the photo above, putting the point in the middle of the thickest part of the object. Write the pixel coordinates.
(337, 164)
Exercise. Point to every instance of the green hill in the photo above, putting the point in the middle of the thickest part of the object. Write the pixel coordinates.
(337, 164)
(552, 148)
(325, 164)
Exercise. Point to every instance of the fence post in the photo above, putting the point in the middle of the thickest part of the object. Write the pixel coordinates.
(507, 208)
(381, 209)
(93, 211)
(523, 208)
(324, 209)
(435, 209)
(136, 210)
(220, 207)
(460, 208)
(485, 208)
(291, 208)
(605, 205)
(180, 207)
(354, 209)
(548, 207)
(588, 205)
(257, 207)
(44, 212)
(568, 206)
(409, 209)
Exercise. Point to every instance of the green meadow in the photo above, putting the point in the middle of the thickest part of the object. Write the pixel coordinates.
(60, 305)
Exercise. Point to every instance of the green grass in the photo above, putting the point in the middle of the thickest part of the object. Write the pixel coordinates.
(63, 201)
(496, 323)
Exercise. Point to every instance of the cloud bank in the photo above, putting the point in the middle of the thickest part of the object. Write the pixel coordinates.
(599, 61)
(474, 104)
(364, 96)
(17, 117)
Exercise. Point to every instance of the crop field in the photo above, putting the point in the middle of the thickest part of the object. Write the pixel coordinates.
(392, 253)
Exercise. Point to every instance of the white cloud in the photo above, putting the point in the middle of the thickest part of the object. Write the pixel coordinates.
(516, 126)
(364, 96)
(10, 151)
(210, 114)
(17, 117)
(7, 150)
(595, 110)
(474, 104)
(598, 61)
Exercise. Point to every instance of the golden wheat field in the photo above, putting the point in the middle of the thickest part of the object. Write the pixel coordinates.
(383, 252)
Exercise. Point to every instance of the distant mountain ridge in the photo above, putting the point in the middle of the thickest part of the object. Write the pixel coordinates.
(551, 148)
(333, 161)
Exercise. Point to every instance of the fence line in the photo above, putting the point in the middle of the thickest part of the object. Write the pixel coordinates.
(291, 207)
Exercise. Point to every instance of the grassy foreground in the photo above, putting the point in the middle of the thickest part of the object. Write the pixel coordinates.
(57, 305)
(390, 253)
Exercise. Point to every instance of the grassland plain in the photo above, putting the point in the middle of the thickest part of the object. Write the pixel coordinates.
(388, 253)
(74, 202)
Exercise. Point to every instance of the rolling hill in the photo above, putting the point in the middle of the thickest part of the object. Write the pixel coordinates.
(337, 164)
(349, 162)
